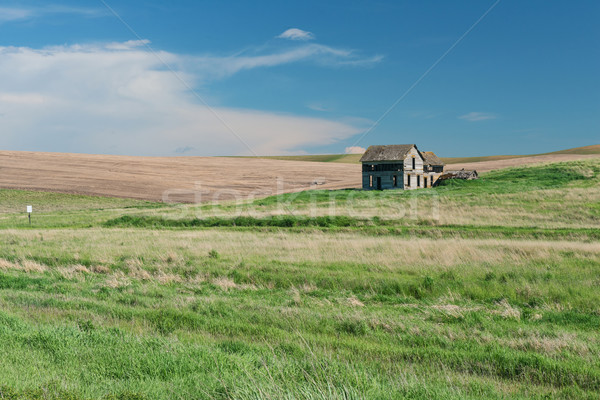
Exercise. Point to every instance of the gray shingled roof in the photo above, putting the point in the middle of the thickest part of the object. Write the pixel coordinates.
(431, 158)
(390, 152)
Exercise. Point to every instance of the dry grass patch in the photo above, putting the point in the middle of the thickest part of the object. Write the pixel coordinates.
(451, 310)
(117, 280)
(23, 265)
(507, 311)
(540, 343)
(167, 279)
(354, 302)
(73, 271)
(100, 269)
(224, 283)
(139, 273)
(296, 298)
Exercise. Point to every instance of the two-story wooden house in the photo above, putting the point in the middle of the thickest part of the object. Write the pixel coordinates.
(399, 166)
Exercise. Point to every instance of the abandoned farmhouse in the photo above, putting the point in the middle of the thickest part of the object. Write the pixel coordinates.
(399, 166)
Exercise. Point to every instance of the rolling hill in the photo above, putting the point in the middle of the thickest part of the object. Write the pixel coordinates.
(354, 158)
(202, 179)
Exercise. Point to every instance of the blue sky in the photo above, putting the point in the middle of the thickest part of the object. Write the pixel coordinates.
(273, 77)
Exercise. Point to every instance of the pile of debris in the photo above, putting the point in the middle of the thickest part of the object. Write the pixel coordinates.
(468, 174)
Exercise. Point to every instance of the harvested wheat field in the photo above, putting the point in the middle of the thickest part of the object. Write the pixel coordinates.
(182, 179)
(195, 179)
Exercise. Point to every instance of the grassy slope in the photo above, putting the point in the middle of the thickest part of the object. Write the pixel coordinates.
(129, 311)
(593, 149)
(532, 197)
(354, 158)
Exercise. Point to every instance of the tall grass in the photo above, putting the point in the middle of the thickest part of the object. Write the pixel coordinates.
(154, 303)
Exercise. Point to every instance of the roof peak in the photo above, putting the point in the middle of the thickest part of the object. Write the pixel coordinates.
(387, 152)
(431, 159)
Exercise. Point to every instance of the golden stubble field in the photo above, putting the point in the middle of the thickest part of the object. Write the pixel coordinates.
(193, 179)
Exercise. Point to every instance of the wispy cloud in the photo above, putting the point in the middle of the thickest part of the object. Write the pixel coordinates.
(184, 149)
(119, 98)
(355, 150)
(296, 34)
(224, 66)
(478, 116)
(318, 107)
(13, 14)
(10, 14)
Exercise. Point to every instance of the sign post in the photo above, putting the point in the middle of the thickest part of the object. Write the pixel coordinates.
(29, 211)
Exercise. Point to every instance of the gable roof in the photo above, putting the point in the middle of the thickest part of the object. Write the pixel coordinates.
(430, 158)
(390, 152)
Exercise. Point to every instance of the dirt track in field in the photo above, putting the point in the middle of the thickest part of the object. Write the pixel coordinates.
(193, 179)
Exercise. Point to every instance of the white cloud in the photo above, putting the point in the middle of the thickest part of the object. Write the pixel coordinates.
(296, 34)
(355, 150)
(477, 116)
(9, 14)
(13, 14)
(21, 98)
(128, 45)
(120, 99)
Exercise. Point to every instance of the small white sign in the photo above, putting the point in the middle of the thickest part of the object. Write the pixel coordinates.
(29, 209)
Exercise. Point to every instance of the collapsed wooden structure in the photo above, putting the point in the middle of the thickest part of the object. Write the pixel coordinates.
(468, 174)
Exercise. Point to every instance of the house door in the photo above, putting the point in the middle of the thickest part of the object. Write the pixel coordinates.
(378, 183)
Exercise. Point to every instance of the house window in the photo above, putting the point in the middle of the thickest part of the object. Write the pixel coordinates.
(425, 181)
(408, 180)
(395, 179)
(414, 161)
(418, 180)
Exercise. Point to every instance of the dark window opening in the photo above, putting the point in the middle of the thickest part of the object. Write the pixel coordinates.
(425, 182)
(382, 167)
(395, 179)
(408, 180)
(414, 162)
(418, 180)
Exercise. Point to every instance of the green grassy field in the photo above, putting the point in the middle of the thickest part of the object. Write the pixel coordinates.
(354, 158)
(484, 289)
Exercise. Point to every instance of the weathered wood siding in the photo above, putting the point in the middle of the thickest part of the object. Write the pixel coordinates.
(416, 173)
(387, 177)
(432, 178)
(406, 177)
